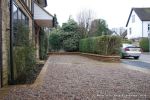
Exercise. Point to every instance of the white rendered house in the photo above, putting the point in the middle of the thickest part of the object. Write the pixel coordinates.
(138, 24)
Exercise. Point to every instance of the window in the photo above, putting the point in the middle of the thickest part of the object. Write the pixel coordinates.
(130, 30)
(148, 28)
(28, 3)
(19, 18)
(133, 18)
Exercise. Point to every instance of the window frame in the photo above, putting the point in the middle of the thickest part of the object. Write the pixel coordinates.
(148, 27)
(133, 18)
(19, 18)
(130, 30)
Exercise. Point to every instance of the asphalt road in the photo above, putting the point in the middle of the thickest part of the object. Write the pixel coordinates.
(143, 61)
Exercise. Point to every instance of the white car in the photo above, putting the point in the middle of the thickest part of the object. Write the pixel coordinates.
(130, 50)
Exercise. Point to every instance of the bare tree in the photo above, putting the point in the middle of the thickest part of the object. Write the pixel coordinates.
(84, 19)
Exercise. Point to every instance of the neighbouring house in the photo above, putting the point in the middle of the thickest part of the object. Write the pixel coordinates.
(121, 31)
(13, 12)
(138, 23)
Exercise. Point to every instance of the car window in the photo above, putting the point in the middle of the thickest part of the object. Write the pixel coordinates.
(128, 45)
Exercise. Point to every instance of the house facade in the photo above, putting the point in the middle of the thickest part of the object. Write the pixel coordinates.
(138, 24)
(13, 12)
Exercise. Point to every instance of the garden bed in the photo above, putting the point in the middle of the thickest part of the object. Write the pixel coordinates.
(33, 74)
(89, 55)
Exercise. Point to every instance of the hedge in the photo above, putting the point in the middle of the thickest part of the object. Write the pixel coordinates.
(144, 44)
(103, 45)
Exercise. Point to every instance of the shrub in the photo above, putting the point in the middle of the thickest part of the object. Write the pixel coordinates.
(59, 39)
(24, 63)
(23, 55)
(71, 41)
(54, 41)
(144, 44)
(43, 43)
(104, 45)
(69, 45)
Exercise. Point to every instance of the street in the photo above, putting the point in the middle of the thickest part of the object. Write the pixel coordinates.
(143, 61)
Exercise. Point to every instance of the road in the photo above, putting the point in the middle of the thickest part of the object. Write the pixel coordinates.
(143, 62)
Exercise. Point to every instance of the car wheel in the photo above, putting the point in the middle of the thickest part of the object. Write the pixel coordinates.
(136, 57)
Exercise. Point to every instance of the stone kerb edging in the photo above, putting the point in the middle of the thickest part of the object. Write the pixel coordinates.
(92, 56)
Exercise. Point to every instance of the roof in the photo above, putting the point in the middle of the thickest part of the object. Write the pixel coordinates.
(142, 13)
(44, 23)
(44, 10)
(42, 17)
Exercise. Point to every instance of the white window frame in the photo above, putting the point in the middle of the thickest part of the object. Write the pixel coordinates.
(133, 18)
(148, 27)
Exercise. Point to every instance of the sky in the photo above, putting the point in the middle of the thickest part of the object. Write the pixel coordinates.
(115, 12)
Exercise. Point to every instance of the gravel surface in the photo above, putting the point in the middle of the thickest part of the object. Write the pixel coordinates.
(70, 77)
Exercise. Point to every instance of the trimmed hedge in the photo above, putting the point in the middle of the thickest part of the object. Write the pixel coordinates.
(144, 44)
(103, 45)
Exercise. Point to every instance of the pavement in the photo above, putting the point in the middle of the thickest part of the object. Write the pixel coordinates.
(71, 77)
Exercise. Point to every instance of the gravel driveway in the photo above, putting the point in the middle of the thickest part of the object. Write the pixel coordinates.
(70, 77)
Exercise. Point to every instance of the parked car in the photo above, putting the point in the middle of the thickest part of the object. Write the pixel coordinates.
(130, 50)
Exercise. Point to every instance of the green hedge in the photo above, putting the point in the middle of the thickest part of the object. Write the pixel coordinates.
(103, 45)
(144, 44)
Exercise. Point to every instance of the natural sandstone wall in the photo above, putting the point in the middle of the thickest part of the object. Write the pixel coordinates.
(5, 40)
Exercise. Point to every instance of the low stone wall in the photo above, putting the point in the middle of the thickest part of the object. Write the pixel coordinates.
(88, 55)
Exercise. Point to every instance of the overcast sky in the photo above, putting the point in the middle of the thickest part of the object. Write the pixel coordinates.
(115, 12)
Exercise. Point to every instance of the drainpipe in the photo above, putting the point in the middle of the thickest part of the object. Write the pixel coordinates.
(11, 44)
(33, 27)
(1, 69)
